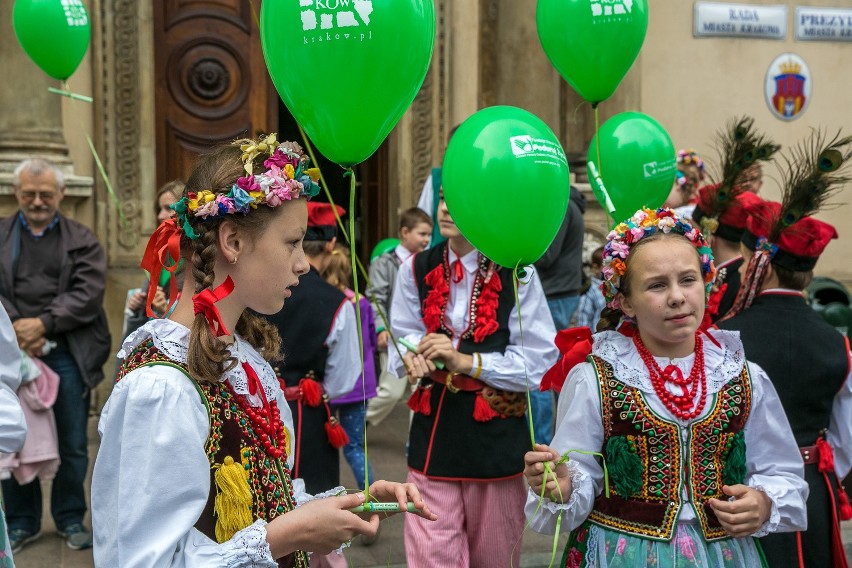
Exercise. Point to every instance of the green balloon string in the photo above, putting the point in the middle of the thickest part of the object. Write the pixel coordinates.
(515, 280)
(351, 238)
(549, 472)
(609, 221)
(385, 319)
(66, 92)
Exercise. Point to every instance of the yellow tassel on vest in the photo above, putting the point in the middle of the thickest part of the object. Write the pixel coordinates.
(233, 499)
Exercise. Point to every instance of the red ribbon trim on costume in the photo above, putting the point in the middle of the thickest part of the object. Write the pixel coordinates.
(436, 299)
(575, 344)
(205, 303)
(486, 307)
(163, 244)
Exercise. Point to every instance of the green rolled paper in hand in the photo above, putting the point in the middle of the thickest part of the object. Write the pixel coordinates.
(384, 508)
(413, 348)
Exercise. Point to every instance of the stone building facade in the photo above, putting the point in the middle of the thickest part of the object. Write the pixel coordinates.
(172, 76)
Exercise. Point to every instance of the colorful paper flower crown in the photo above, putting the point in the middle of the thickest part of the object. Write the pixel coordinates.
(287, 177)
(644, 223)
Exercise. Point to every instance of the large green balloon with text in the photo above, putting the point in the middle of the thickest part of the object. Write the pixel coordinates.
(505, 181)
(347, 69)
(592, 43)
(637, 163)
(54, 33)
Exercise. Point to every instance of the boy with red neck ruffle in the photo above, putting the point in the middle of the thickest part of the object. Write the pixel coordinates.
(700, 456)
(196, 454)
(723, 221)
(468, 434)
(806, 358)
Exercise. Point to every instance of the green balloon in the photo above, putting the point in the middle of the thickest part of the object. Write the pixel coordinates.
(505, 180)
(54, 34)
(347, 69)
(637, 162)
(592, 43)
(383, 246)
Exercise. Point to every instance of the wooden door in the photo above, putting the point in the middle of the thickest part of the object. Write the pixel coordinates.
(211, 80)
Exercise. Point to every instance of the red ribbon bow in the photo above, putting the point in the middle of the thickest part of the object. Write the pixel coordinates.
(205, 303)
(163, 244)
(575, 344)
(458, 271)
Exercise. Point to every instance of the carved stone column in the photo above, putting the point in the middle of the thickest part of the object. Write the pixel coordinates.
(30, 118)
(125, 84)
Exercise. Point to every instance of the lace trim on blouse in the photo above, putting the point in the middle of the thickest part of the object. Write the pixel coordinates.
(723, 363)
(172, 340)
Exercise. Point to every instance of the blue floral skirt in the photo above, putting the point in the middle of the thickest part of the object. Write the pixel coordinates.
(593, 546)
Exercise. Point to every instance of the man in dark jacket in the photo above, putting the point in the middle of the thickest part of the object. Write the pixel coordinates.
(52, 280)
(561, 273)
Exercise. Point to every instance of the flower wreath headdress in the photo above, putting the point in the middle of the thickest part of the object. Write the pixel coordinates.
(287, 177)
(644, 223)
(688, 157)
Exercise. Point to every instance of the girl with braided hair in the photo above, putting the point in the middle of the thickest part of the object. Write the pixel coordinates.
(195, 456)
(700, 457)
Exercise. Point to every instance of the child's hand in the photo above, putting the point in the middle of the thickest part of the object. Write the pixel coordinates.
(319, 526)
(557, 490)
(744, 515)
(136, 300)
(159, 303)
(417, 366)
(437, 346)
(402, 493)
(382, 341)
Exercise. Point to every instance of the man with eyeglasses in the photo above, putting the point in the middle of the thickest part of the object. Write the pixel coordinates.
(52, 280)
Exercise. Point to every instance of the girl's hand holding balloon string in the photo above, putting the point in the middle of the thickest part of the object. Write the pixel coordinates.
(541, 469)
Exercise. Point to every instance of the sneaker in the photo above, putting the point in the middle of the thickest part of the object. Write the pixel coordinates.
(76, 536)
(19, 537)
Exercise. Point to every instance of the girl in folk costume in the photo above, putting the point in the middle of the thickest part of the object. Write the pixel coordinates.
(807, 360)
(699, 453)
(468, 434)
(721, 209)
(194, 463)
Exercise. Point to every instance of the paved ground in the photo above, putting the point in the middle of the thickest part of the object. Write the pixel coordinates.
(387, 443)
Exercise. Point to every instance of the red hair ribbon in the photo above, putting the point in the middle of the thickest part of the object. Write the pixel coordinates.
(575, 344)
(163, 244)
(205, 303)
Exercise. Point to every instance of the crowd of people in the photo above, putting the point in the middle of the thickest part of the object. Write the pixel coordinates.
(703, 412)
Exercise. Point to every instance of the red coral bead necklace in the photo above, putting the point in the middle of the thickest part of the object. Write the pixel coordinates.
(683, 405)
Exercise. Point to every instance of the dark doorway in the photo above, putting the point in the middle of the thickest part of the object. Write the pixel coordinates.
(371, 190)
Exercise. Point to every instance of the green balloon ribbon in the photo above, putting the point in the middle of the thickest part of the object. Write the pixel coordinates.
(641, 164)
(506, 184)
(592, 43)
(348, 73)
(54, 34)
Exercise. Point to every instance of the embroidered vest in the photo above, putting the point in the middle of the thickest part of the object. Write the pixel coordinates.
(448, 442)
(649, 460)
(231, 435)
